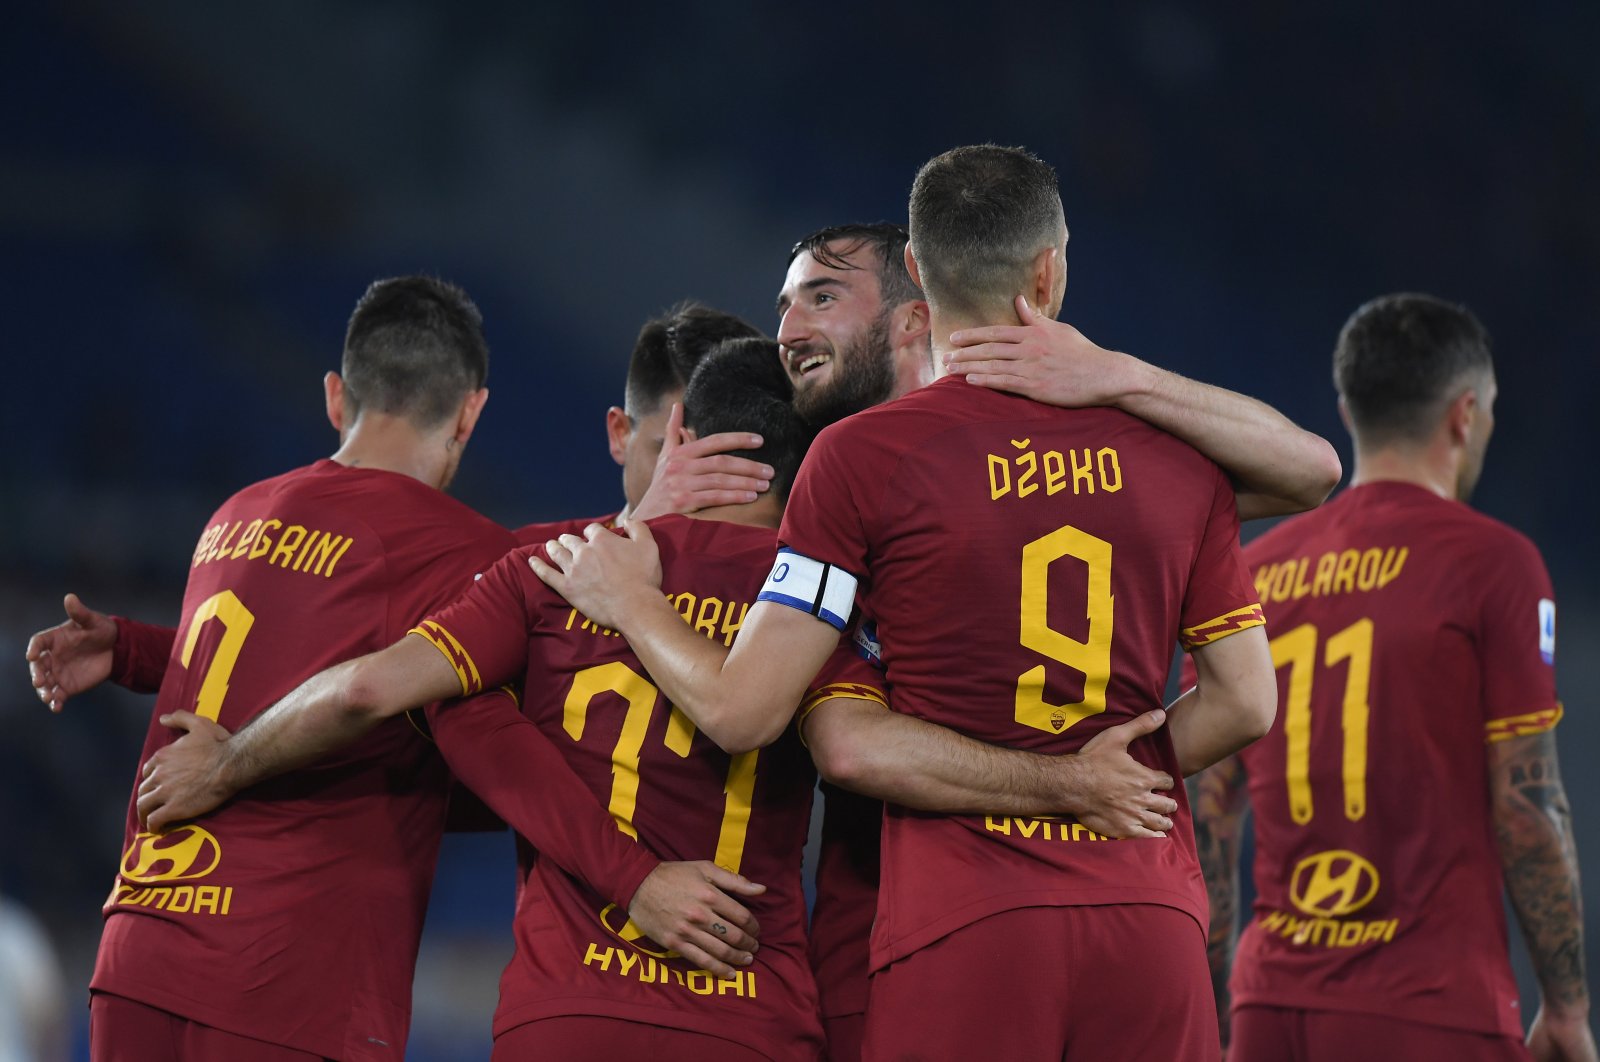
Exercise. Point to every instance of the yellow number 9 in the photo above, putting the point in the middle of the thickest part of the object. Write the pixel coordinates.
(1092, 656)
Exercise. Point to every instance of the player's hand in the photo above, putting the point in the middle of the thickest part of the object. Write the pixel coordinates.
(184, 780)
(688, 908)
(696, 474)
(602, 574)
(72, 657)
(1117, 795)
(1556, 1037)
(1046, 360)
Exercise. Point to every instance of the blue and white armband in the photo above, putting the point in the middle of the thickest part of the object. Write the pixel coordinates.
(811, 586)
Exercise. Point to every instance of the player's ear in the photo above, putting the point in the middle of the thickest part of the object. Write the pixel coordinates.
(911, 267)
(333, 397)
(471, 410)
(1344, 418)
(910, 325)
(619, 429)
(1460, 414)
(1048, 267)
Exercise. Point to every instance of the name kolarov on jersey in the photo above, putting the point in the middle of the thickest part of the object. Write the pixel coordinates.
(297, 548)
(1345, 571)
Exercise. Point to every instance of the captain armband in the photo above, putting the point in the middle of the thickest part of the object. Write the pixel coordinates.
(811, 586)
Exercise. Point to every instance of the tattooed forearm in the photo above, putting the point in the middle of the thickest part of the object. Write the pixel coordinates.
(1533, 827)
(1218, 797)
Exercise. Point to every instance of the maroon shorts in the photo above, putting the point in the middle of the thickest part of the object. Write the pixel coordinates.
(844, 1037)
(1063, 984)
(121, 1030)
(1285, 1034)
(585, 1038)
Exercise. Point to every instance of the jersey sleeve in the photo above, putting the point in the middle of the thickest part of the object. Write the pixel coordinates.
(503, 757)
(139, 657)
(1517, 643)
(824, 519)
(1220, 599)
(848, 673)
(484, 633)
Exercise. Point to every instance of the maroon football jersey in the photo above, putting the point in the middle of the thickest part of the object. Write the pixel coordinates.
(846, 899)
(539, 534)
(1408, 631)
(1029, 569)
(663, 782)
(292, 913)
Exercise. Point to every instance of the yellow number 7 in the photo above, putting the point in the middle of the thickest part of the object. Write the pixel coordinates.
(236, 623)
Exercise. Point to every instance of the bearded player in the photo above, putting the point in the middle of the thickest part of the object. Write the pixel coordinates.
(855, 333)
(1028, 568)
(1411, 774)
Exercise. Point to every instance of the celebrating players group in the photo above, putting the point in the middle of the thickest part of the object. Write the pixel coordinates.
(937, 547)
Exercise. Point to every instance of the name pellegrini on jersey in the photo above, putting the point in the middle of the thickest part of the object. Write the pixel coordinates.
(1347, 571)
(295, 547)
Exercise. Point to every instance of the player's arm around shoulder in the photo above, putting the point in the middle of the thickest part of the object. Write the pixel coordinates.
(1233, 703)
(1533, 830)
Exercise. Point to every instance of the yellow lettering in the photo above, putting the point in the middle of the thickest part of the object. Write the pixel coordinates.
(700, 983)
(206, 898)
(1344, 576)
(1283, 582)
(183, 894)
(325, 549)
(684, 603)
(208, 536)
(730, 626)
(245, 541)
(1367, 575)
(1264, 580)
(1110, 470)
(1388, 934)
(1027, 827)
(227, 898)
(335, 558)
(707, 624)
(572, 615)
(1080, 831)
(287, 544)
(1301, 587)
(1055, 473)
(1349, 935)
(628, 960)
(305, 550)
(999, 486)
(648, 977)
(1083, 472)
(603, 958)
(1029, 463)
(1393, 561)
(264, 542)
(1373, 931)
(734, 983)
(220, 550)
(1322, 584)
(997, 825)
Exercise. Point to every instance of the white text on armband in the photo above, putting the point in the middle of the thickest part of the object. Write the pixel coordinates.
(811, 586)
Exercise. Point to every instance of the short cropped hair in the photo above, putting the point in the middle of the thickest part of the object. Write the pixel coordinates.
(979, 215)
(670, 346)
(742, 386)
(414, 348)
(887, 242)
(1401, 359)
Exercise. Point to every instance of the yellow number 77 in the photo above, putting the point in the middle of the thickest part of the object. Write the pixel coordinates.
(1297, 650)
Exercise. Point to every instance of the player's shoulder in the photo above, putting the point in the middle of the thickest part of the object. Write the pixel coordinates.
(538, 533)
(685, 536)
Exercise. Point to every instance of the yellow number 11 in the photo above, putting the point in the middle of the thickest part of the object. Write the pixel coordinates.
(1297, 650)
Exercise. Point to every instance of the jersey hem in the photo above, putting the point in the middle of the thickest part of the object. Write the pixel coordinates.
(667, 1018)
(1465, 1019)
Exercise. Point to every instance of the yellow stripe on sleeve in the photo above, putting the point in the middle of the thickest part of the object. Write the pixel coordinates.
(853, 690)
(1522, 725)
(1212, 630)
(459, 658)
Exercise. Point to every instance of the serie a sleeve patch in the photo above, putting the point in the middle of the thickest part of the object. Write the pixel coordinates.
(811, 586)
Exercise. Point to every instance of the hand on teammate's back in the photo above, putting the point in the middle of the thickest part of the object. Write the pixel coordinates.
(693, 474)
(688, 907)
(601, 573)
(1043, 359)
(183, 780)
(72, 657)
(1122, 797)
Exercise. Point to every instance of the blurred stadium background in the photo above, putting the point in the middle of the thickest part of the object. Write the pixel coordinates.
(192, 198)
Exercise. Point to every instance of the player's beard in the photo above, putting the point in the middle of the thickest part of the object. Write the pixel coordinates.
(863, 377)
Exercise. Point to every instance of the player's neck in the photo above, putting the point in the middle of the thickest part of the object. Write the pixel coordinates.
(1426, 468)
(392, 444)
(941, 323)
(765, 511)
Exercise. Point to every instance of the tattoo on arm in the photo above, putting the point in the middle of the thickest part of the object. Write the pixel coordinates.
(1219, 798)
(1533, 827)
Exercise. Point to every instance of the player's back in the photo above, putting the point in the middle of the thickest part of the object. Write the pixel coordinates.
(1029, 570)
(1406, 630)
(292, 913)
